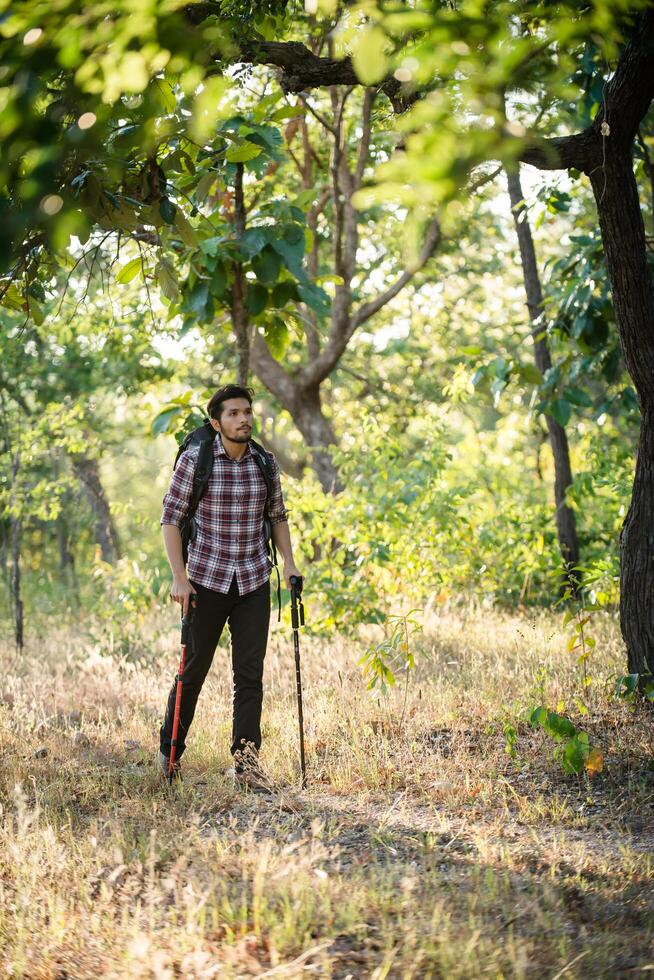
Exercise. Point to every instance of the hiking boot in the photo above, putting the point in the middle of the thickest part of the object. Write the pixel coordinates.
(252, 778)
(163, 762)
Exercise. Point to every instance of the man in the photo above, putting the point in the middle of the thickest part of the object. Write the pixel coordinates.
(228, 576)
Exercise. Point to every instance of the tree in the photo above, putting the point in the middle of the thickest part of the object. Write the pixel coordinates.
(444, 145)
(447, 73)
(565, 518)
(299, 390)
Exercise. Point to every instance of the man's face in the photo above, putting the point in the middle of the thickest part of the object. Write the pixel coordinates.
(235, 421)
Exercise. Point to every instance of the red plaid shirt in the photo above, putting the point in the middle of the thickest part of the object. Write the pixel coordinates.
(229, 518)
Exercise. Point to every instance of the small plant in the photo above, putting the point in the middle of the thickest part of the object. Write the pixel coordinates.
(581, 642)
(510, 733)
(574, 749)
(629, 685)
(382, 660)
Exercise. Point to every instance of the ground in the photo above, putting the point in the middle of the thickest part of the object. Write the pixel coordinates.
(420, 847)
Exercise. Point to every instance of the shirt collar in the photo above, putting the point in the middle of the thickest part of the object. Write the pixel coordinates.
(220, 449)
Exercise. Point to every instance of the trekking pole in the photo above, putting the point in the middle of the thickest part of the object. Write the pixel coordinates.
(186, 623)
(297, 620)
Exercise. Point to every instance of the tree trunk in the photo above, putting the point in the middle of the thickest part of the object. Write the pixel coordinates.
(565, 518)
(16, 582)
(66, 556)
(319, 435)
(87, 471)
(14, 543)
(623, 235)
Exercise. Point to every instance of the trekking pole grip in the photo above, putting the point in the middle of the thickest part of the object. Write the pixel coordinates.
(297, 606)
(186, 622)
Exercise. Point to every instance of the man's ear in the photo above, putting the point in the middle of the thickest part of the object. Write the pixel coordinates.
(216, 424)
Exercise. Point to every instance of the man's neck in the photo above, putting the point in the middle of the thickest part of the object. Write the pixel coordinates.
(233, 449)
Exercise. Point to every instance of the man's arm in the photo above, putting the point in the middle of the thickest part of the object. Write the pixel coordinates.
(282, 537)
(181, 589)
(281, 534)
(176, 503)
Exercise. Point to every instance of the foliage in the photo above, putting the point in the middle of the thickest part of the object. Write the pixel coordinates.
(574, 750)
(381, 661)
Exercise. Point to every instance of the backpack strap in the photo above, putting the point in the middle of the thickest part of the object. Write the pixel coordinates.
(262, 460)
(203, 437)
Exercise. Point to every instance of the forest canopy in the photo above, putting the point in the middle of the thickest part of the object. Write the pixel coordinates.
(422, 232)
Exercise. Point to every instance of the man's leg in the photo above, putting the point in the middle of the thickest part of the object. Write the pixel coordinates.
(248, 624)
(211, 612)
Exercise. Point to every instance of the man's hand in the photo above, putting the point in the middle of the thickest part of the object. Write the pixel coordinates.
(290, 569)
(181, 592)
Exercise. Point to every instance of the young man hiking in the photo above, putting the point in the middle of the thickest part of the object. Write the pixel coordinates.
(227, 575)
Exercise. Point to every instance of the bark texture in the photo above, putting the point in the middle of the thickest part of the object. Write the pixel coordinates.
(623, 234)
(565, 517)
(88, 473)
(15, 542)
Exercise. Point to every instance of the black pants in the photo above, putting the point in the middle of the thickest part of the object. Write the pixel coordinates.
(248, 616)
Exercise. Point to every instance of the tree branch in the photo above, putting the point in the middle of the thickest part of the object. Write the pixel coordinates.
(272, 374)
(429, 246)
(342, 332)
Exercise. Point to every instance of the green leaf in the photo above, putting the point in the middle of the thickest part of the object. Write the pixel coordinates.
(36, 310)
(578, 397)
(538, 716)
(253, 240)
(287, 112)
(241, 153)
(283, 293)
(164, 419)
(314, 296)
(129, 271)
(219, 281)
(210, 246)
(575, 754)
(277, 337)
(257, 298)
(560, 410)
(531, 374)
(265, 104)
(471, 350)
(197, 298)
(204, 185)
(167, 281)
(291, 251)
(267, 266)
(186, 230)
(167, 210)
(13, 300)
(166, 95)
(559, 727)
(369, 58)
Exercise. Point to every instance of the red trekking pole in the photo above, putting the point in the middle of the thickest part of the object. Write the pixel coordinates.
(186, 623)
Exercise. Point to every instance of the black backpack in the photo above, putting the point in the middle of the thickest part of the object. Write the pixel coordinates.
(204, 437)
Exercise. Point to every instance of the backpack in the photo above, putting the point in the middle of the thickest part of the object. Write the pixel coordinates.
(204, 437)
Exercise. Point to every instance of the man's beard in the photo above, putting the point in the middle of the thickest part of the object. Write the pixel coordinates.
(241, 437)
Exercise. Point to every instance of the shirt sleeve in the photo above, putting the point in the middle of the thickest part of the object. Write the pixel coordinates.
(276, 510)
(178, 497)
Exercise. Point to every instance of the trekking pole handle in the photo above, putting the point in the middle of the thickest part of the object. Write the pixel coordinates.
(186, 621)
(297, 606)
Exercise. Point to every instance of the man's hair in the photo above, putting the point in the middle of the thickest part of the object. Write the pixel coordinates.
(215, 406)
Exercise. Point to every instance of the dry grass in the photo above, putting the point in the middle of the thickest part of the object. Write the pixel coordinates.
(419, 850)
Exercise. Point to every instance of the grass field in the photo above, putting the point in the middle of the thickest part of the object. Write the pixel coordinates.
(419, 849)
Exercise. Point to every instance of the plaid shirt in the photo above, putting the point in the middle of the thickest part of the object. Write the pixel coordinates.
(229, 518)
